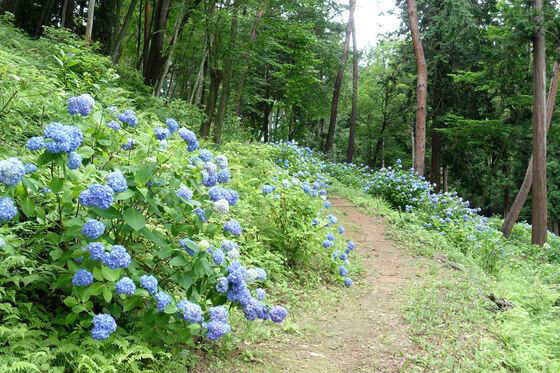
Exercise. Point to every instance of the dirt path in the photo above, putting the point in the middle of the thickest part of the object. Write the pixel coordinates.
(361, 330)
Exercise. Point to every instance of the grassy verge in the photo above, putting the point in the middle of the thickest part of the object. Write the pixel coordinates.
(453, 321)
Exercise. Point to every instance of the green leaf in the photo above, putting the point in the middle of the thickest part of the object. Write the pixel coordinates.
(185, 280)
(28, 207)
(85, 152)
(97, 274)
(107, 294)
(144, 174)
(110, 213)
(56, 185)
(134, 218)
(178, 261)
(124, 195)
(110, 274)
(130, 303)
(170, 308)
(155, 237)
(70, 301)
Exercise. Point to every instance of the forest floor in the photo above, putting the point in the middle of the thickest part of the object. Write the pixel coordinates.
(358, 329)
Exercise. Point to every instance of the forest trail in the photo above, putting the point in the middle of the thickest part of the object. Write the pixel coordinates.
(363, 330)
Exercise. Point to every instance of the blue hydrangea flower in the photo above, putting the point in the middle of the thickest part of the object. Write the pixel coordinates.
(327, 244)
(97, 195)
(12, 171)
(116, 181)
(223, 176)
(7, 209)
(231, 196)
(218, 256)
(93, 229)
(278, 314)
(162, 299)
(205, 155)
(342, 271)
(228, 245)
(327, 205)
(184, 193)
(190, 311)
(114, 125)
(35, 143)
(97, 251)
(332, 219)
(129, 117)
(217, 329)
(117, 258)
(201, 214)
(261, 294)
(2, 243)
(172, 125)
(261, 274)
(216, 193)
(81, 105)
(209, 180)
(221, 206)
(74, 161)
(222, 285)
(232, 226)
(330, 236)
(161, 133)
(253, 309)
(351, 245)
(222, 161)
(149, 283)
(125, 286)
(347, 281)
(129, 144)
(267, 189)
(60, 138)
(341, 229)
(103, 326)
(82, 278)
(219, 313)
(30, 168)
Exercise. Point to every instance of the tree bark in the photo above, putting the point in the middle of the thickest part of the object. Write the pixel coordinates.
(89, 26)
(228, 70)
(154, 62)
(215, 81)
(523, 193)
(67, 16)
(44, 15)
(122, 32)
(338, 80)
(539, 207)
(421, 89)
(352, 135)
(148, 21)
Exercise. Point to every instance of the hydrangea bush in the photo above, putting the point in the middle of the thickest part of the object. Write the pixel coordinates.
(130, 226)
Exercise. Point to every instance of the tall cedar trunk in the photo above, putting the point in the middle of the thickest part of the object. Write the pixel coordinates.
(265, 124)
(122, 32)
(148, 21)
(421, 89)
(197, 87)
(521, 197)
(215, 81)
(253, 37)
(352, 135)
(89, 26)
(380, 143)
(539, 208)
(338, 81)
(154, 62)
(45, 14)
(67, 20)
(228, 69)
(138, 59)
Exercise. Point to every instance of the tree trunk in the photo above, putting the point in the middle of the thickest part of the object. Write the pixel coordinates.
(122, 32)
(435, 174)
(352, 135)
(154, 62)
(228, 69)
(148, 22)
(89, 26)
(215, 81)
(44, 15)
(338, 81)
(421, 88)
(445, 179)
(67, 19)
(539, 207)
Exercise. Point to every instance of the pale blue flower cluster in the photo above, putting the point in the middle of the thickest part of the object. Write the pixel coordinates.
(8, 209)
(103, 326)
(149, 283)
(116, 181)
(189, 311)
(82, 278)
(125, 286)
(128, 117)
(93, 229)
(162, 299)
(62, 139)
(189, 137)
(12, 171)
(184, 193)
(172, 125)
(232, 226)
(97, 195)
(81, 105)
(74, 161)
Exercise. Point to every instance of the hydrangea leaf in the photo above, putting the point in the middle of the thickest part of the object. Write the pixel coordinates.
(134, 218)
(85, 152)
(107, 294)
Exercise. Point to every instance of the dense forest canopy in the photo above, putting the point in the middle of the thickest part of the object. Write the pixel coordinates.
(265, 70)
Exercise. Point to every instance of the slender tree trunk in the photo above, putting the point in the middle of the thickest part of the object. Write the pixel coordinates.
(148, 22)
(122, 32)
(539, 208)
(197, 88)
(352, 135)
(45, 14)
(445, 179)
(67, 19)
(228, 70)
(139, 35)
(421, 88)
(154, 62)
(521, 197)
(89, 26)
(338, 81)
(266, 120)
(215, 81)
